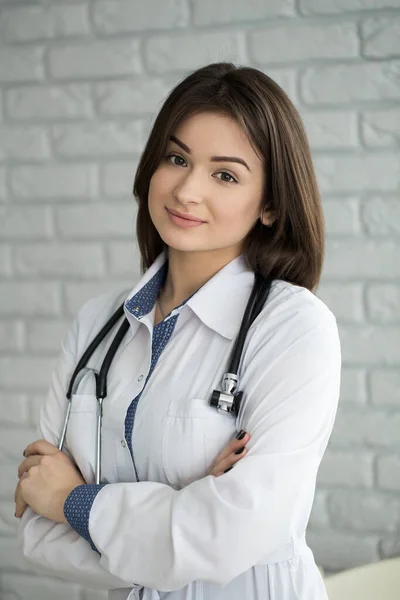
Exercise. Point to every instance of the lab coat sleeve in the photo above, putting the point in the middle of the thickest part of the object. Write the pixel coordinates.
(216, 528)
(56, 548)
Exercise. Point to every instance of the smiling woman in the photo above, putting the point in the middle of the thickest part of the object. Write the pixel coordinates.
(222, 197)
(184, 510)
(241, 121)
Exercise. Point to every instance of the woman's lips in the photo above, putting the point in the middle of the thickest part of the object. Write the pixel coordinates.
(185, 223)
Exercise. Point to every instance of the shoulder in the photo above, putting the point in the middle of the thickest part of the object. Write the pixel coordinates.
(297, 303)
(292, 313)
(90, 318)
(104, 304)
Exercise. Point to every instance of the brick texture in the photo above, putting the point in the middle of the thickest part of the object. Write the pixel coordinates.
(48, 103)
(80, 82)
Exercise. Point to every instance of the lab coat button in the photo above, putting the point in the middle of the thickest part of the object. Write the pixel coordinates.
(140, 377)
(123, 443)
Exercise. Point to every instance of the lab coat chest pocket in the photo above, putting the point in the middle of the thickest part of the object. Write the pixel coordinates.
(81, 433)
(194, 433)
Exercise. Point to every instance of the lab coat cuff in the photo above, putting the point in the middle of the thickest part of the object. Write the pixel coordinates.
(77, 509)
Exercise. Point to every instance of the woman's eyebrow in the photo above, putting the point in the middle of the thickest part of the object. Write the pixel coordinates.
(235, 159)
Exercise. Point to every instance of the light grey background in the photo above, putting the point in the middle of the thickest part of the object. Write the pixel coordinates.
(80, 82)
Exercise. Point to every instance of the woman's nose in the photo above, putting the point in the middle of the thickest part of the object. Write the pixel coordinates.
(190, 188)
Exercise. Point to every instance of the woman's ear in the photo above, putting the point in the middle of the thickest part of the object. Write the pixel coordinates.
(267, 217)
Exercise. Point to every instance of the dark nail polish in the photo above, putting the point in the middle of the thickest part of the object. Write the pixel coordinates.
(228, 469)
(240, 450)
(240, 435)
(23, 454)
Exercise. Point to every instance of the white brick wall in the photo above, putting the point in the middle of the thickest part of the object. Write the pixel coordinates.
(79, 82)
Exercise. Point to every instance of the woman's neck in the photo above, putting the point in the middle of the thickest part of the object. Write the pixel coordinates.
(189, 271)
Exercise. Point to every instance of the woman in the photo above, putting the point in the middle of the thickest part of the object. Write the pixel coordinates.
(171, 518)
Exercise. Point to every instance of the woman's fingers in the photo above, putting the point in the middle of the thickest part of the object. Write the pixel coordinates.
(40, 447)
(28, 463)
(20, 504)
(230, 461)
(233, 446)
(234, 452)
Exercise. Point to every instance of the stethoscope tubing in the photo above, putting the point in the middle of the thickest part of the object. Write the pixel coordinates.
(255, 303)
(74, 388)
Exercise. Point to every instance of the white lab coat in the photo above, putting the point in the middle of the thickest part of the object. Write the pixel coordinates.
(179, 533)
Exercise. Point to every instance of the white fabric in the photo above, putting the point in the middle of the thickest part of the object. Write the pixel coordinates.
(187, 534)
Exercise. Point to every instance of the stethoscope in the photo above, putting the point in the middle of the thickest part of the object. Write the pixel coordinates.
(226, 401)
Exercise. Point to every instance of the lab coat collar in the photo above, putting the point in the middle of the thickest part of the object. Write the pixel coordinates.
(219, 303)
(142, 297)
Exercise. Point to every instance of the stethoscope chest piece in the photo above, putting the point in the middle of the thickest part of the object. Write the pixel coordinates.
(227, 401)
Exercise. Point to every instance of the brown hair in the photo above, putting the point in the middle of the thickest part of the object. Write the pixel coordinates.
(293, 248)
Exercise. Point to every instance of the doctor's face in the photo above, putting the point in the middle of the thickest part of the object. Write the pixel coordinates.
(209, 171)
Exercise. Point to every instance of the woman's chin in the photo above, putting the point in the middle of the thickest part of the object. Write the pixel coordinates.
(182, 246)
(179, 241)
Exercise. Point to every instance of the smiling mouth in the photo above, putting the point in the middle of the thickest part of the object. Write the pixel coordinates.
(182, 222)
(181, 216)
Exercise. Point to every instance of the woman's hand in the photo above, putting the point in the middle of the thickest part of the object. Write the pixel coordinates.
(234, 451)
(46, 478)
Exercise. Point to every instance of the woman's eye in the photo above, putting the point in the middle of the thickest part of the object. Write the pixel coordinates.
(177, 160)
(228, 178)
(174, 156)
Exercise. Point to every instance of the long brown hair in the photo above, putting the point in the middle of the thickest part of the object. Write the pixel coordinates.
(293, 248)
